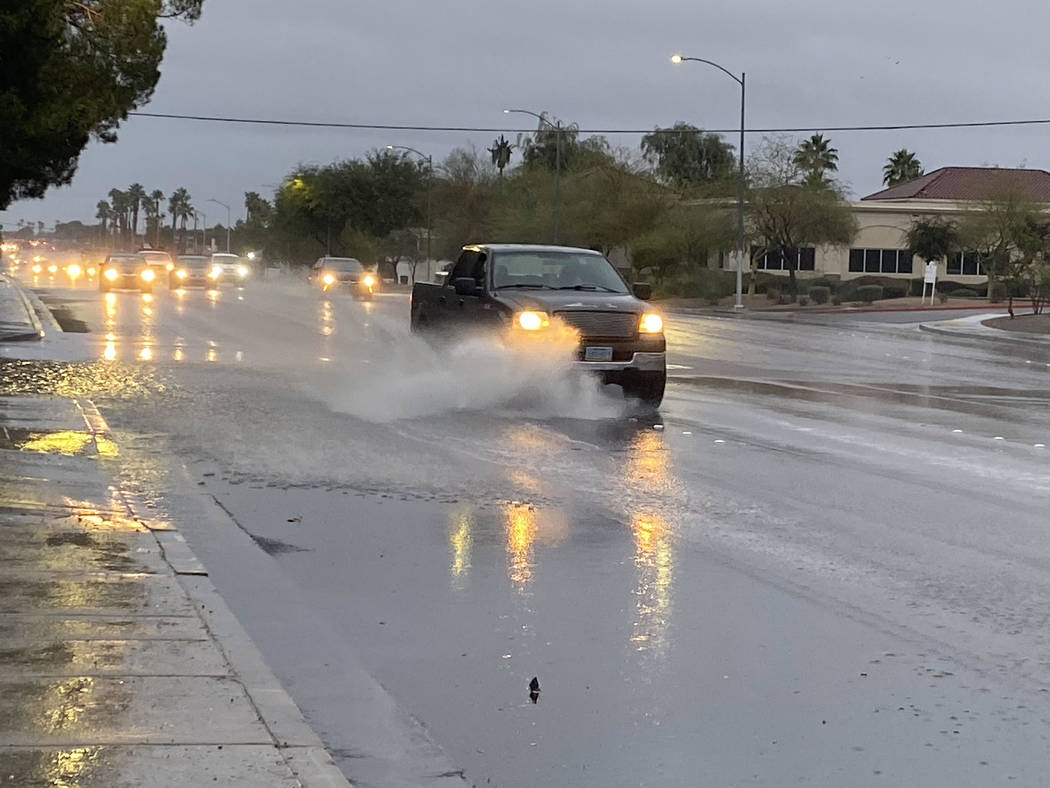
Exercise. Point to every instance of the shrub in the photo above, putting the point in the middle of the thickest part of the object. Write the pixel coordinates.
(997, 293)
(772, 294)
(708, 284)
(803, 300)
(895, 290)
(784, 299)
(942, 298)
(869, 293)
(836, 300)
(820, 294)
(962, 292)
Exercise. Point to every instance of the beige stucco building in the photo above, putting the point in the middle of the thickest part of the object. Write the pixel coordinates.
(883, 220)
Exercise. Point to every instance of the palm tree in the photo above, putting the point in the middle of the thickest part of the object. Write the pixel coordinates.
(180, 207)
(137, 197)
(119, 201)
(501, 150)
(103, 212)
(156, 197)
(815, 157)
(902, 166)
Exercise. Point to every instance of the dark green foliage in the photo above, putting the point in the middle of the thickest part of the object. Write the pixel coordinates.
(70, 71)
(707, 283)
(963, 292)
(685, 156)
(869, 293)
(819, 294)
(932, 239)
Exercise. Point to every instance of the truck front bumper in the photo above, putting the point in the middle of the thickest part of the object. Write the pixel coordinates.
(640, 362)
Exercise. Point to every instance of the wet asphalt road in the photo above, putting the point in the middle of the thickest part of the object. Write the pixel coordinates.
(825, 561)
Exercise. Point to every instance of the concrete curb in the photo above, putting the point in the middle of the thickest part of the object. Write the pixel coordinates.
(298, 745)
(26, 324)
(973, 328)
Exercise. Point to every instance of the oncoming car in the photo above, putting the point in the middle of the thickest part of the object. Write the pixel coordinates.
(193, 270)
(346, 272)
(231, 269)
(159, 260)
(126, 272)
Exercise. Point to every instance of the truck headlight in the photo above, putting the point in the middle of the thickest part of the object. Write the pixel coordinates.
(369, 280)
(651, 323)
(215, 272)
(74, 270)
(111, 274)
(328, 279)
(242, 271)
(533, 321)
(148, 275)
(181, 273)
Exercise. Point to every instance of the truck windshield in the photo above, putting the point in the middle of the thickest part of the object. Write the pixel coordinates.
(556, 271)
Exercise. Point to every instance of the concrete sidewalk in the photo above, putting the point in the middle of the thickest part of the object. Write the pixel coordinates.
(973, 327)
(119, 663)
(18, 318)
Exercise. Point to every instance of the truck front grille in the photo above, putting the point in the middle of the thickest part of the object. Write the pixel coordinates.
(621, 325)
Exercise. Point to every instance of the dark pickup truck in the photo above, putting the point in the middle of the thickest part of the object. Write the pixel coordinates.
(523, 288)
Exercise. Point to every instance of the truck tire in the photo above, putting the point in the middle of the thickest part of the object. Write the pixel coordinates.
(647, 388)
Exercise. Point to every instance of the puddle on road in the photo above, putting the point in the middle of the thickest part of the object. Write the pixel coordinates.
(92, 380)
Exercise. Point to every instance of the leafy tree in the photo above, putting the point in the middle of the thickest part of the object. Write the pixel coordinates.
(258, 211)
(464, 201)
(932, 239)
(103, 212)
(73, 69)
(785, 216)
(816, 158)
(501, 151)
(682, 239)
(1007, 231)
(686, 156)
(120, 203)
(551, 143)
(902, 166)
(153, 214)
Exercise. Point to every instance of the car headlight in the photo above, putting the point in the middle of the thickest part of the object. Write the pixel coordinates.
(52, 269)
(328, 279)
(533, 321)
(215, 272)
(170, 266)
(37, 268)
(74, 270)
(369, 280)
(148, 275)
(92, 271)
(181, 273)
(111, 274)
(242, 271)
(651, 323)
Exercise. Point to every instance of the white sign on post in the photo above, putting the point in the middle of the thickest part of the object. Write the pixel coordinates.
(929, 278)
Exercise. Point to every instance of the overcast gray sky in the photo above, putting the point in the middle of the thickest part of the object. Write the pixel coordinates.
(602, 64)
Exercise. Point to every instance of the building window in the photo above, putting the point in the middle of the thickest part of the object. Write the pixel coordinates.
(965, 264)
(805, 259)
(880, 261)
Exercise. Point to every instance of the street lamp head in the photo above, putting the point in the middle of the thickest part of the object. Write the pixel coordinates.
(389, 147)
(506, 112)
(676, 59)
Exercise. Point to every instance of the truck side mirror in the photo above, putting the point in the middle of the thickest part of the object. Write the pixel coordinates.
(465, 286)
(642, 290)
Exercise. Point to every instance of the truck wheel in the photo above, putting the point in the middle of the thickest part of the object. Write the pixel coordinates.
(647, 388)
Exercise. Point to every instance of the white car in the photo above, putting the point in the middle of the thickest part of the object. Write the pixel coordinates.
(229, 269)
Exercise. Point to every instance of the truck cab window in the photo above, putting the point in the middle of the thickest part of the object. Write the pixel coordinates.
(470, 264)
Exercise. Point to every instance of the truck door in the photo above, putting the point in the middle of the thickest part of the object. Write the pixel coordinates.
(461, 311)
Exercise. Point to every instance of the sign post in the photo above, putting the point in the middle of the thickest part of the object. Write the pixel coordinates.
(929, 278)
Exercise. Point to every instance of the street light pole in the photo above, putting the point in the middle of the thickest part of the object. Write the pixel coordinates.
(741, 251)
(429, 159)
(227, 207)
(557, 128)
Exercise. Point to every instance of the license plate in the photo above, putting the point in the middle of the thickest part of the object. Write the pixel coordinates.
(597, 354)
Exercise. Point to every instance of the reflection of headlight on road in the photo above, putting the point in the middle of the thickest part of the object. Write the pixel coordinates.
(369, 281)
(148, 275)
(74, 270)
(533, 321)
(328, 279)
(242, 271)
(651, 323)
(181, 274)
(111, 274)
(215, 273)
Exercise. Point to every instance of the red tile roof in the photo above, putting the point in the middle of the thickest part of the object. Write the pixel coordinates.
(970, 183)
